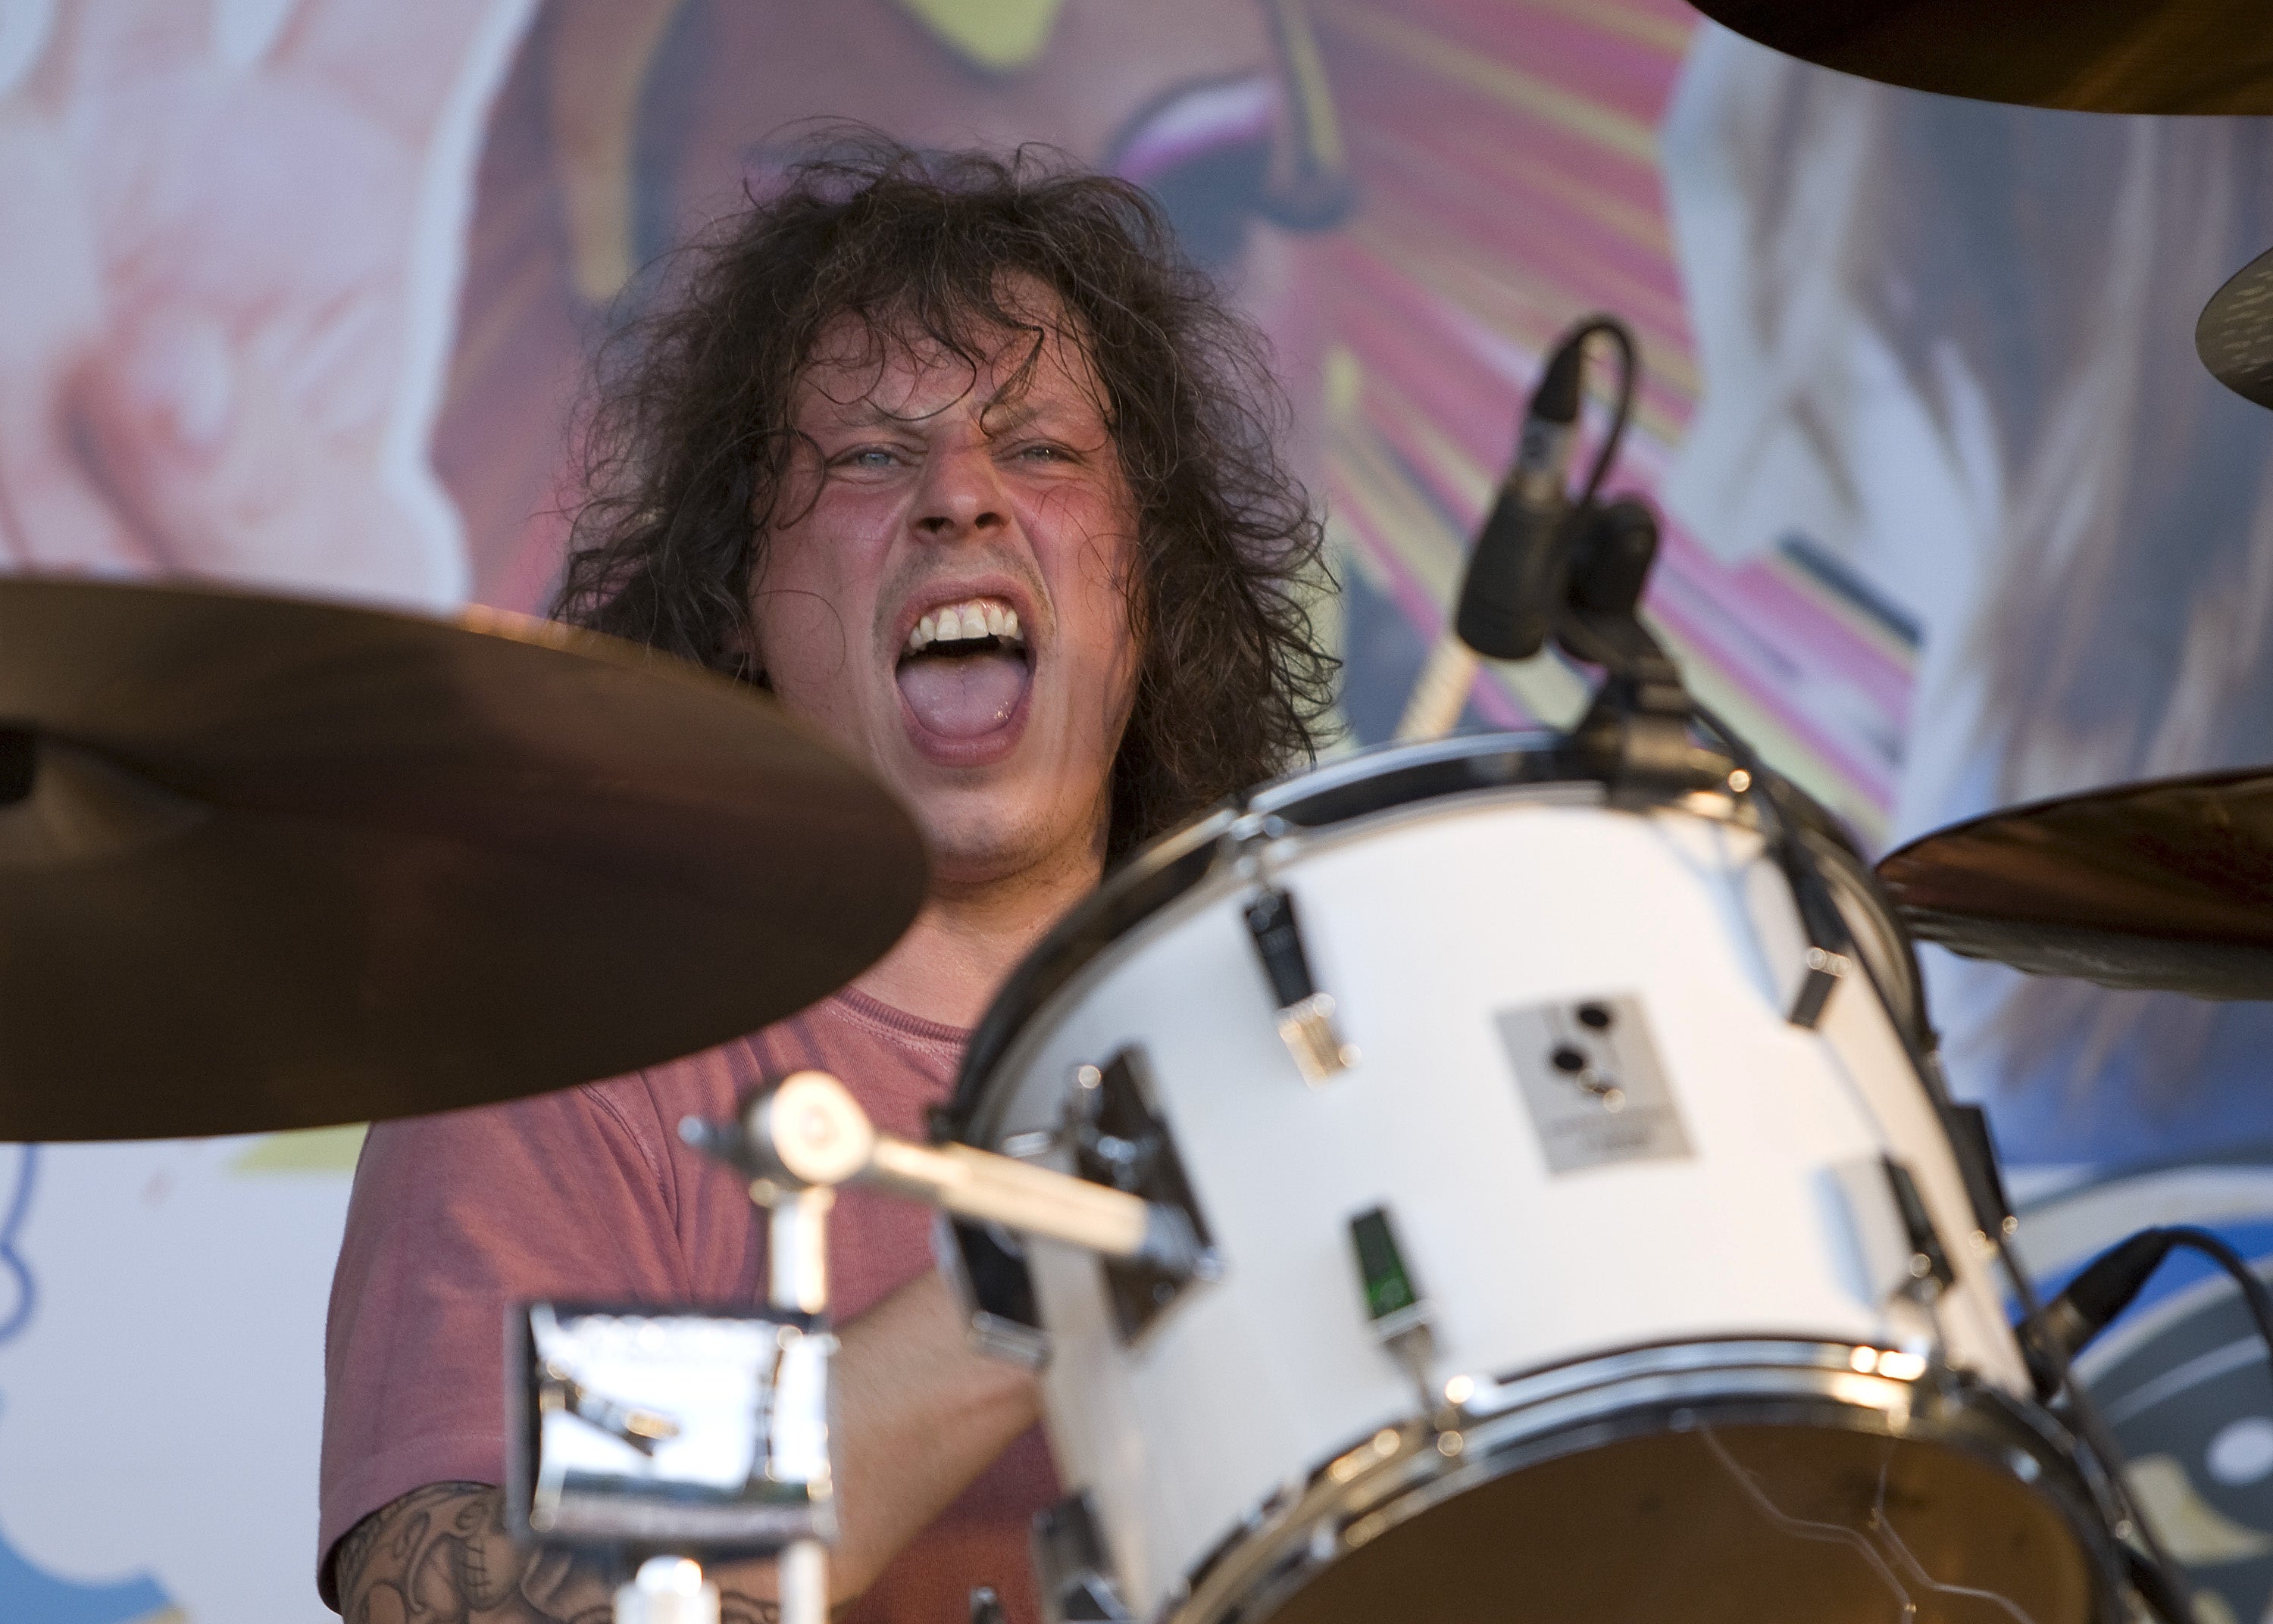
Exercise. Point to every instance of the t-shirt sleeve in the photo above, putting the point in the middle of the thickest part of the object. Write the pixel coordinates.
(453, 1219)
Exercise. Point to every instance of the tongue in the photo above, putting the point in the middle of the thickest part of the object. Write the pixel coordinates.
(965, 695)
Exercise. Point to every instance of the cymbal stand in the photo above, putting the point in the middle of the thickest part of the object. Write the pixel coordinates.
(797, 1278)
(668, 1589)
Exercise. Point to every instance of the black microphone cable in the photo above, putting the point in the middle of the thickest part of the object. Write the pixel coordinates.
(1621, 339)
(2161, 1581)
(2111, 1281)
(2109, 1284)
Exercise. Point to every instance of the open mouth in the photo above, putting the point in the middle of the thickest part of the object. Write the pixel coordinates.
(965, 669)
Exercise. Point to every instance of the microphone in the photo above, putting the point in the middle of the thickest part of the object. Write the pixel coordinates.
(1511, 591)
(1510, 597)
(2107, 1285)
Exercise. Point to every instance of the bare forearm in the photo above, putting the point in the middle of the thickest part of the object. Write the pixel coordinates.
(919, 1415)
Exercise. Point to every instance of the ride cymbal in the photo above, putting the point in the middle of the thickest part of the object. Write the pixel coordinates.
(2165, 884)
(270, 865)
(2093, 56)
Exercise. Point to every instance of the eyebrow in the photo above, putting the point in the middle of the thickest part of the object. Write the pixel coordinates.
(1001, 416)
(1027, 404)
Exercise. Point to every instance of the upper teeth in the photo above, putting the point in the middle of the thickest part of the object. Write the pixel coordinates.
(976, 617)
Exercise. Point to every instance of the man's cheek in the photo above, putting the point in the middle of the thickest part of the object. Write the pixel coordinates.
(803, 639)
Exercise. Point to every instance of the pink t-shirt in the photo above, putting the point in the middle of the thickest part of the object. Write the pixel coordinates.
(587, 1194)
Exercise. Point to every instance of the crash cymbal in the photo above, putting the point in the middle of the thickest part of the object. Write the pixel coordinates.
(2166, 885)
(2095, 55)
(271, 864)
(2234, 336)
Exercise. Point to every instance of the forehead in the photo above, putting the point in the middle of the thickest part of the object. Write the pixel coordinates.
(861, 368)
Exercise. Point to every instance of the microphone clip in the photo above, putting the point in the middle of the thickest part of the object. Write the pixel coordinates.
(1637, 727)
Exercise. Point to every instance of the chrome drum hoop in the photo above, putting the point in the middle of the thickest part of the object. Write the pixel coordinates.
(1404, 1470)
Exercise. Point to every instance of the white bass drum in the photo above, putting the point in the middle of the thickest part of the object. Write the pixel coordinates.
(1564, 1275)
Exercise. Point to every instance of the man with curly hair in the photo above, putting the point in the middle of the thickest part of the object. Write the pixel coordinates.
(963, 462)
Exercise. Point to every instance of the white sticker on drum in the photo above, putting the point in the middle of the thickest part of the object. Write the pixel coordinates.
(1590, 1077)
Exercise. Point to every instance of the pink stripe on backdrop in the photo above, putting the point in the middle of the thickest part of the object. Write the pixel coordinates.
(1515, 223)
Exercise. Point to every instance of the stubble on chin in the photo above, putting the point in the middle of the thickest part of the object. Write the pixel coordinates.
(976, 848)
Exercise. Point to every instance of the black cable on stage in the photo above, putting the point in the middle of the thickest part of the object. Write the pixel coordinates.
(2254, 1291)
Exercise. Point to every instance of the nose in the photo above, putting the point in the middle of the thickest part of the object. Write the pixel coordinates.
(961, 496)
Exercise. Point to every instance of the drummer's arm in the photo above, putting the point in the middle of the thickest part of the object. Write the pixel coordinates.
(918, 1416)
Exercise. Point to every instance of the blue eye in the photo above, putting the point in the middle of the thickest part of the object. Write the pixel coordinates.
(871, 457)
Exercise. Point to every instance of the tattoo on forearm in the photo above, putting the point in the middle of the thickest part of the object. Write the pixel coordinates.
(441, 1555)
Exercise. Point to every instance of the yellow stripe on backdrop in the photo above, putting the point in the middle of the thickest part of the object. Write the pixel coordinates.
(1510, 87)
(306, 1150)
(1000, 35)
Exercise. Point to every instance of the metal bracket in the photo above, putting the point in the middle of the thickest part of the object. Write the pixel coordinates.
(1071, 1565)
(1977, 1159)
(1898, 1255)
(989, 1279)
(1120, 1138)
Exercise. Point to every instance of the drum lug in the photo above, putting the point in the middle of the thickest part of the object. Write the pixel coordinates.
(1395, 1307)
(1899, 1250)
(1071, 1565)
(1826, 961)
(1306, 1015)
(1824, 970)
(1930, 1270)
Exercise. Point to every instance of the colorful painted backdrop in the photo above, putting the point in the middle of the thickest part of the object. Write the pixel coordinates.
(300, 293)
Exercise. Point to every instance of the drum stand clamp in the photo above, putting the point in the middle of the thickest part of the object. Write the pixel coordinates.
(807, 1134)
(1638, 729)
(674, 1435)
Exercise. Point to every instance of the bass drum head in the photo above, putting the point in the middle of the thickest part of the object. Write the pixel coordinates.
(1722, 1524)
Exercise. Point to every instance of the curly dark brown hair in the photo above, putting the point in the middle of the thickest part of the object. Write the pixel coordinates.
(689, 439)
